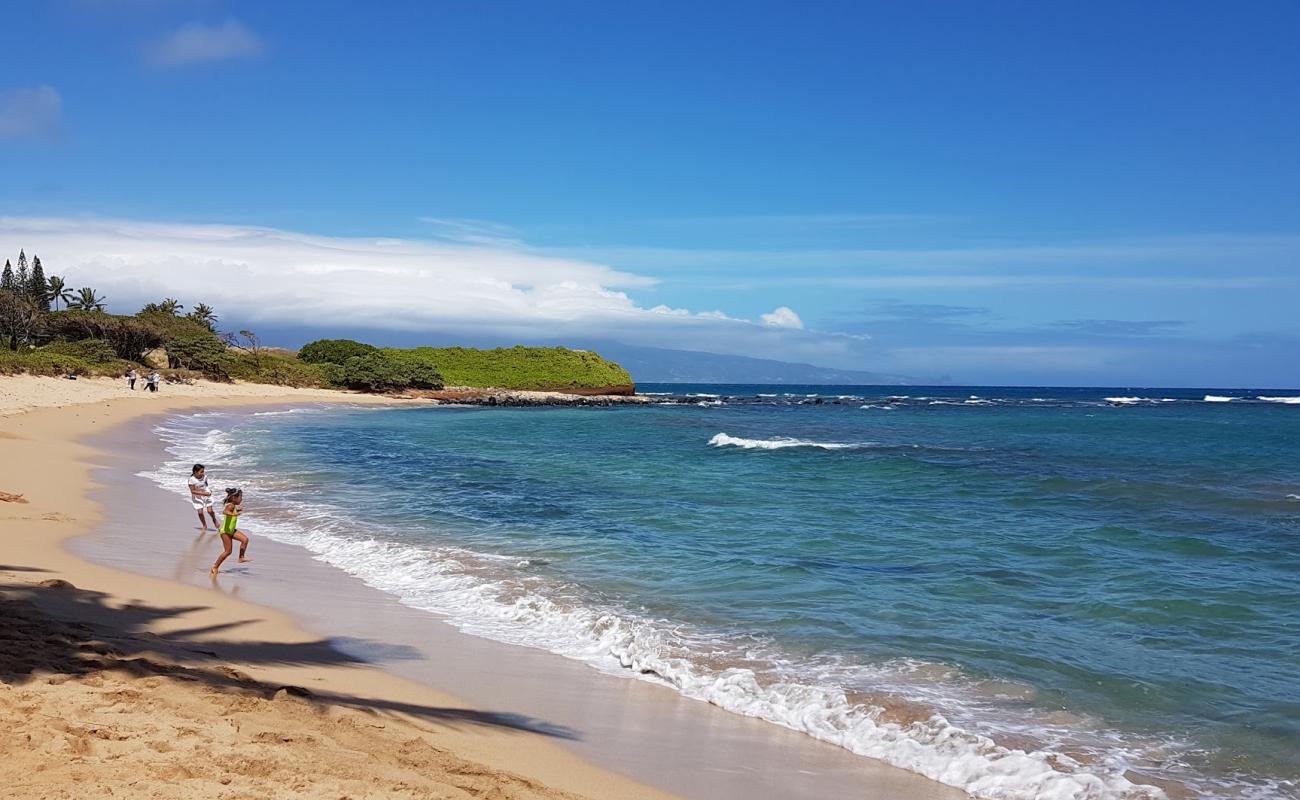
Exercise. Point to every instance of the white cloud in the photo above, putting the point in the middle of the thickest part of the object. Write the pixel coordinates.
(269, 276)
(30, 113)
(196, 42)
(783, 317)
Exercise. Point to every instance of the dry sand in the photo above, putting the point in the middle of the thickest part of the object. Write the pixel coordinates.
(114, 684)
(19, 393)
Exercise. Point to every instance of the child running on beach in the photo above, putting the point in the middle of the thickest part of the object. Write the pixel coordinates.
(201, 497)
(229, 532)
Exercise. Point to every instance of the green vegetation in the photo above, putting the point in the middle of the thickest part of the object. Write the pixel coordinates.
(84, 339)
(129, 337)
(519, 367)
(201, 353)
(277, 367)
(333, 351)
(359, 365)
(45, 362)
(93, 351)
(379, 372)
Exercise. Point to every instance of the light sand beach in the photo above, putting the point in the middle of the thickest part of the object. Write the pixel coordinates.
(155, 681)
(19, 393)
(113, 683)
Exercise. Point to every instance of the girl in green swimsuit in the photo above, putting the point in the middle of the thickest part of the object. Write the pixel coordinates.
(230, 533)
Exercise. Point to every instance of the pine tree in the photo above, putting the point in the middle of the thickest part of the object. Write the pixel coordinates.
(7, 278)
(21, 278)
(37, 287)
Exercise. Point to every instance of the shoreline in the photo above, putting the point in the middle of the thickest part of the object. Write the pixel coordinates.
(210, 658)
(724, 741)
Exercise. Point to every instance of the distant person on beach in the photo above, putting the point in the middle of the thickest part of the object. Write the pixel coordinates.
(201, 497)
(131, 375)
(152, 380)
(230, 533)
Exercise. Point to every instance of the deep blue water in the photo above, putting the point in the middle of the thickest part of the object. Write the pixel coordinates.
(1023, 592)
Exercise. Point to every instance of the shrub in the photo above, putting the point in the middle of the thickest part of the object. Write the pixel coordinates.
(44, 362)
(376, 372)
(421, 375)
(94, 351)
(204, 353)
(171, 325)
(333, 351)
(518, 367)
(130, 338)
(333, 373)
(276, 368)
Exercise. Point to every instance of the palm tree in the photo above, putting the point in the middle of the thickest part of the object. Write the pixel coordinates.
(204, 313)
(86, 299)
(170, 306)
(58, 290)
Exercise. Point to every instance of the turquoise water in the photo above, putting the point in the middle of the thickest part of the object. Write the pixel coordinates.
(1021, 592)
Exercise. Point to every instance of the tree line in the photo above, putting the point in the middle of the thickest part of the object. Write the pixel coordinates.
(27, 298)
(28, 282)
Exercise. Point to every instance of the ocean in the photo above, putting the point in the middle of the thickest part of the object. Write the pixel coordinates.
(1020, 592)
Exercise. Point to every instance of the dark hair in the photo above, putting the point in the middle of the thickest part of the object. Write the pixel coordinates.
(196, 468)
(233, 493)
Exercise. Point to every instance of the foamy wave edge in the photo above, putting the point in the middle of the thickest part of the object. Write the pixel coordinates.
(428, 579)
(780, 443)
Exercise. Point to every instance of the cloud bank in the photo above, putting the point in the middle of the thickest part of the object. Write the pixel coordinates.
(196, 42)
(30, 113)
(783, 317)
(261, 275)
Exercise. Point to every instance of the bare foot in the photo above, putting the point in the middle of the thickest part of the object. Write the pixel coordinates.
(213, 572)
(243, 560)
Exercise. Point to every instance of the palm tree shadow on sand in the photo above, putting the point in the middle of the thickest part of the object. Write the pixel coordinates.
(54, 628)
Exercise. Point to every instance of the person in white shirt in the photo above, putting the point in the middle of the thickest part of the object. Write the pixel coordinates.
(201, 497)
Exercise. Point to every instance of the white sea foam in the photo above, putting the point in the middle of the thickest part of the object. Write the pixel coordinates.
(723, 440)
(1133, 400)
(461, 586)
(1215, 398)
(1291, 401)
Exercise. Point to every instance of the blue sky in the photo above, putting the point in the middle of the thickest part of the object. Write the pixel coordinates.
(1068, 193)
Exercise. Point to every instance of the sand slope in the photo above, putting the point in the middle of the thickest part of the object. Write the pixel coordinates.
(92, 710)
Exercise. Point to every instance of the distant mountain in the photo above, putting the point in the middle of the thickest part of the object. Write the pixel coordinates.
(655, 365)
